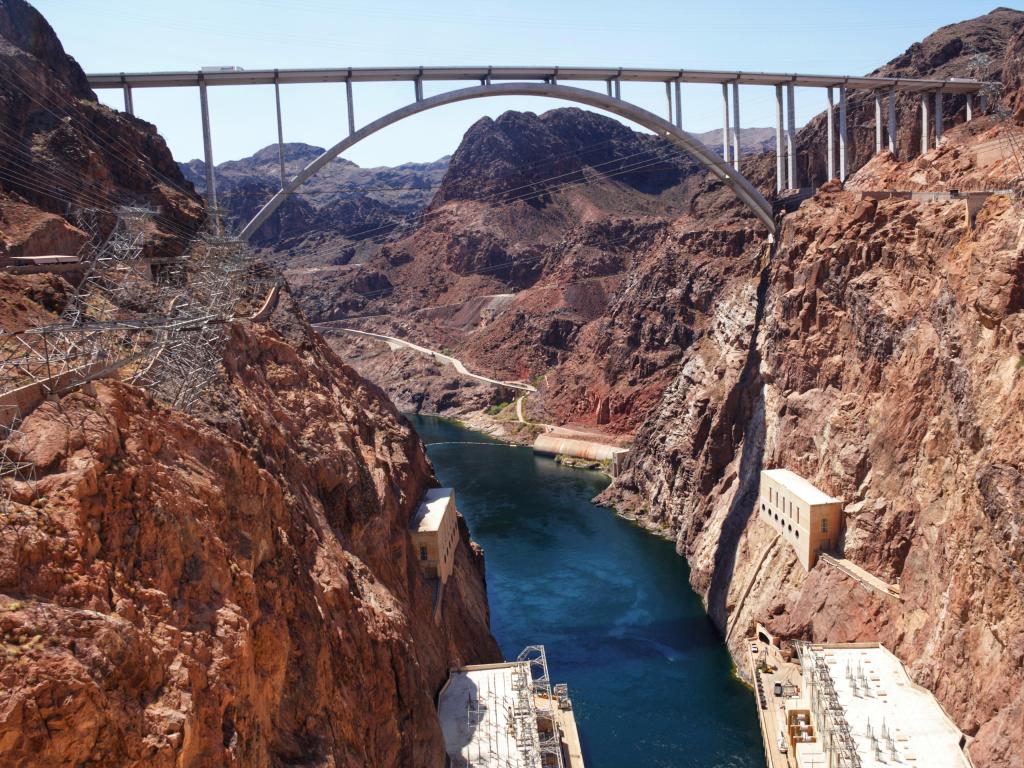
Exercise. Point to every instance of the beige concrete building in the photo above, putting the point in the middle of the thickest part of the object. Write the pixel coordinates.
(806, 517)
(435, 533)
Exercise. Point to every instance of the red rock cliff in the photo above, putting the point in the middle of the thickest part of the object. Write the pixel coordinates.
(231, 591)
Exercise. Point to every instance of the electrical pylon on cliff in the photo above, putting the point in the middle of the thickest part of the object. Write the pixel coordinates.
(166, 335)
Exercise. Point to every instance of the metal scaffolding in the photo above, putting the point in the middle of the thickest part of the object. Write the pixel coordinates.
(549, 742)
(13, 467)
(827, 712)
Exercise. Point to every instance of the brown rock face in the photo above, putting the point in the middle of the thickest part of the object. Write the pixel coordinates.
(882, 360)
(240, 593)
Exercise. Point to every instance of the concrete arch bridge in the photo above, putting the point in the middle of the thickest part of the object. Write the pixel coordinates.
(549, 82)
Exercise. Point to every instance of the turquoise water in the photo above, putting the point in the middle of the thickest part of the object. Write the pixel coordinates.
(649, 677)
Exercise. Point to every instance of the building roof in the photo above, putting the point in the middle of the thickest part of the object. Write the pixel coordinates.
(476, 713)
(921, 732)
(431, 510)
(800, 487)
(54, 259)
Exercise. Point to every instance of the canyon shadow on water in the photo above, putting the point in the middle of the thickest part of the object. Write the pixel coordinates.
(650, 680)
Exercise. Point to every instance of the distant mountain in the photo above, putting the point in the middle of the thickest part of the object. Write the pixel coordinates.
(753, 141)
(341, 200)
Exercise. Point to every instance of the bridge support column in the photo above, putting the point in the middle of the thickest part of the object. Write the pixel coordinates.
(351, 112)
(736, 144)
(129, 107)
(970, 107)
(211, 181)
(924, 123)
(892, 121)
(725, 123)
(843, 138)
(280, 129)
(779, 162)
(982, 103)
(791, 134)
(618, 89)
(668, 98)
(679, 104)
(609, 84)
(878, 121)
(938, 118)
(830, 127)
(419, 89)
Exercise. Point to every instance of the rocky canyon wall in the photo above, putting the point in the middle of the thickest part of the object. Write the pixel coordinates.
(880, 353)
(230, 587)
(236, 589)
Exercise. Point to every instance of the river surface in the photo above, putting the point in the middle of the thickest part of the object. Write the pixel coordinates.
(649, 677)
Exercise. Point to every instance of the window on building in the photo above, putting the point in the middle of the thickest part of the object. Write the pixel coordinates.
(824, 525)
(423, 553)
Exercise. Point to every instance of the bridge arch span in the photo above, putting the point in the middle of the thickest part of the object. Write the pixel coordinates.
(735, 181)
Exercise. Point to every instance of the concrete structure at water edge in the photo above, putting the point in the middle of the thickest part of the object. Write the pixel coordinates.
(805, 516)
(435, 533)
(508, 715)
(858, 708)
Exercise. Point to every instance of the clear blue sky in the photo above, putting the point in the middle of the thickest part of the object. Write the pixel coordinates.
(829, 36)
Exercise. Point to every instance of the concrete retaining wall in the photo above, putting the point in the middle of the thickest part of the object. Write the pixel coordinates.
(550, 445)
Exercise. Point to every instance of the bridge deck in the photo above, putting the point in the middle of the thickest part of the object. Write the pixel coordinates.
(593, 74)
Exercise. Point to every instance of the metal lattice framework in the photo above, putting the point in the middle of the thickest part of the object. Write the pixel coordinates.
(549, 741)
(165, 334)
(13, 468)
(826, 709)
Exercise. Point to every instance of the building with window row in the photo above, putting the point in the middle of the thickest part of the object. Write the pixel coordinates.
(435, 533)
(806, 517)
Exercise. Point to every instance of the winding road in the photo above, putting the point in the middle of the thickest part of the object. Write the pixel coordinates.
(457, 364)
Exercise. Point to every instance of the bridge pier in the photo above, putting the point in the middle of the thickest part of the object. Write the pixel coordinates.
(280, 129)
(351, 112)
(938, 118)
(970, 107)
(830, 127)
(736, 125)
(843, 138)
(878, 121)
(924, 123)
(679, 104)
(668, 98)
(725, 123)
(779, 162)
(791, 133)
(129, 107)
(211, 182)
(892, 121)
